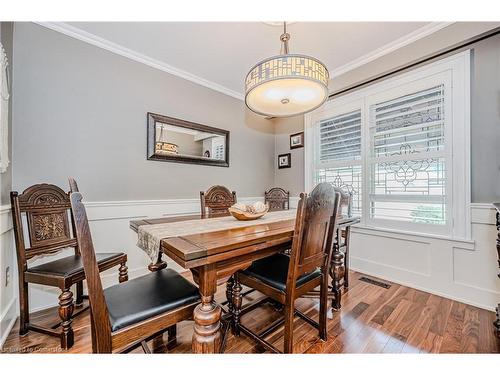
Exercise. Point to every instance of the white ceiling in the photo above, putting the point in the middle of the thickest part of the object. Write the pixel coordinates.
(219, 54)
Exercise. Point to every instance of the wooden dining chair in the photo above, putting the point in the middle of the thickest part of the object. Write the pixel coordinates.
(277, 198)
(43, 212)
(217, 199)
(285, 278)
(126, 315)
(342, 236)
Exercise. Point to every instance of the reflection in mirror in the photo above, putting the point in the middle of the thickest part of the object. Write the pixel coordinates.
(174, 140)
(180, 141)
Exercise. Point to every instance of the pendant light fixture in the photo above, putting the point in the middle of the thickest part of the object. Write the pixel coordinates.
(287, 84)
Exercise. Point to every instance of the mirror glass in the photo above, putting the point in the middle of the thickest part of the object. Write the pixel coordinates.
(177, 140)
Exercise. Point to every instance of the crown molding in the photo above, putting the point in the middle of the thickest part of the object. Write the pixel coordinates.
(390, 47)
(118, 49)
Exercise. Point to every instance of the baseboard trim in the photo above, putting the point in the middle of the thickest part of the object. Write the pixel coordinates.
(8, 331)
(10, 305)
(423, 289)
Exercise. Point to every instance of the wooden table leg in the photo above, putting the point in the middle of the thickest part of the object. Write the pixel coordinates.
(206, 334)
(236, 305)
(159, 265)
(337, 272)
(346, 256)
(229, 293)
(497, 322)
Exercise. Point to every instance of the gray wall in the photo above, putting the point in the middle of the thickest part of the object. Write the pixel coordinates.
(6, 34)
(485, 107)
(485, 121)
(77, 107)
(80, 111)
(291, 179)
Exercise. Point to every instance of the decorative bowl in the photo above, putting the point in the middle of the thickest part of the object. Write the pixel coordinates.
(165, 148)
(248, 212)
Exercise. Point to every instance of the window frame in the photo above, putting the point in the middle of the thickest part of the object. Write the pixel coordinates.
(454, 72)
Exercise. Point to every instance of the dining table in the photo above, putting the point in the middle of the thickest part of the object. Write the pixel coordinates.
(213, 248)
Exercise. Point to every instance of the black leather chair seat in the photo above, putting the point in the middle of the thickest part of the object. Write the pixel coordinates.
(146, 296)
(70, 265)
(273, 271)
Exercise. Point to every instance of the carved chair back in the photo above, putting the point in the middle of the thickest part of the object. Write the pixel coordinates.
(314, 231)
(217, 199)
(278, 199)
(345, 202)
(45, 209)
(100, 325)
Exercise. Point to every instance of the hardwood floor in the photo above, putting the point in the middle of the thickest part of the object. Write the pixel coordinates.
(372, 320)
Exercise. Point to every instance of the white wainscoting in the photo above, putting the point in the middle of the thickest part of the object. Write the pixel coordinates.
(465, 271)
(8, 293)
(109, 224)
(460, 270)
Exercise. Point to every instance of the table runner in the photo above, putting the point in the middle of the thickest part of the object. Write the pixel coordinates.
(149, 236)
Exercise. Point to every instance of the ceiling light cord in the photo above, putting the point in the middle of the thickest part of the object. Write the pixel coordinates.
(285, 37)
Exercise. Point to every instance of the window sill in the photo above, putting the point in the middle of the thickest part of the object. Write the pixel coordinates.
(424, 238)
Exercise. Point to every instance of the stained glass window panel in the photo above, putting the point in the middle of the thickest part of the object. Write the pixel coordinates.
(407, 168)
(410, 124)
(348, 179)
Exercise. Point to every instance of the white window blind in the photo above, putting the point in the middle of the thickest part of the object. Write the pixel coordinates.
(407, 164)
(340, 154)
(219, 152)
(218, 148)
(340, 137)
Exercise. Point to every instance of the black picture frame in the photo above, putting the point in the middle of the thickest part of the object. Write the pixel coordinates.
(153, 118)
(287, 158)
(293, 137)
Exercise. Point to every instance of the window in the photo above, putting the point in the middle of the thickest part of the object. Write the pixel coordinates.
(218, 148)
(391, 146)
(407, 160)
(340, 154)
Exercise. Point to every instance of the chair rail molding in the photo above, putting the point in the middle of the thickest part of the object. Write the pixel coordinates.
(483, 213)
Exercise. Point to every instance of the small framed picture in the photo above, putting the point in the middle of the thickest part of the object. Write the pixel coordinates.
(284, 161)
(297, 140)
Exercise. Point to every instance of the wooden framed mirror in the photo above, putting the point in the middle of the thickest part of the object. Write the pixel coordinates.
(179, 141)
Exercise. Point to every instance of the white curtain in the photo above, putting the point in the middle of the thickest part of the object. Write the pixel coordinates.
(4, 111)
